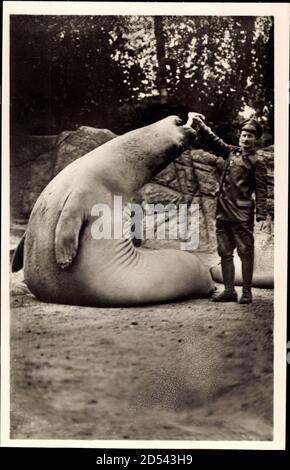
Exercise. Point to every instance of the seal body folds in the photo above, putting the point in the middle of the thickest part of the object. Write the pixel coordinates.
(64, 263)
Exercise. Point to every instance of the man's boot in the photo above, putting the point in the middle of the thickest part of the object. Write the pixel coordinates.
(246, 296)
(247, 272)
(229, 294)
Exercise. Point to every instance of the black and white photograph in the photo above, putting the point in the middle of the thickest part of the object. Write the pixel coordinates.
(144, 246)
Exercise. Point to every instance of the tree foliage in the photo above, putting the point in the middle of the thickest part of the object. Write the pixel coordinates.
(123, 71)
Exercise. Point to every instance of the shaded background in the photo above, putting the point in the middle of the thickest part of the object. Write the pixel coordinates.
(122, 72)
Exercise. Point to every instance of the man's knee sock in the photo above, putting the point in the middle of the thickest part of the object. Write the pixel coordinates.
(228, 270)
(247, 272)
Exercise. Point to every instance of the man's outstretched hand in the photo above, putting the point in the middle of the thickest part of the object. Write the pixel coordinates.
(195, 119)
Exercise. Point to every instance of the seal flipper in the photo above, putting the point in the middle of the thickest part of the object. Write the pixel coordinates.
(67, 230)
(17, 260)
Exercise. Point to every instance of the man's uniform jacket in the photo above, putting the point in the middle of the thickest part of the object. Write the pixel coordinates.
(244, 175)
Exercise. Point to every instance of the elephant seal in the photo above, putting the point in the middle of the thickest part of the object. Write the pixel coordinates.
(262, 278)
(63, 263)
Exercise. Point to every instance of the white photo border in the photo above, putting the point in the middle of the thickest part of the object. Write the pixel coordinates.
(280, 12)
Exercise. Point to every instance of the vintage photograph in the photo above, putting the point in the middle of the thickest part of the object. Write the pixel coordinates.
(146, 169)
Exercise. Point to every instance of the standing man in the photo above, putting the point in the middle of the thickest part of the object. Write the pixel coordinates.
(244, 174)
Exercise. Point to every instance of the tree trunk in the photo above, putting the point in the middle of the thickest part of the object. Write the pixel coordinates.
(161, 58)
(246, 62)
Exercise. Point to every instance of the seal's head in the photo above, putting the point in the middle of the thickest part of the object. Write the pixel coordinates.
(250, 132)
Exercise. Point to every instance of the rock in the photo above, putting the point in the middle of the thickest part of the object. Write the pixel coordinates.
(71, 145)
(31, 169)
(207, 182)
(188, 182)
(267, 155)
(168, 177)
(17, 230)
(180, 176)
(270, 207)
(36, 160)
(207, 210)
(154, 193)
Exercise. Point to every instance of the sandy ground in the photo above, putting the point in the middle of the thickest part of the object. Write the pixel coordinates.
(193, 370)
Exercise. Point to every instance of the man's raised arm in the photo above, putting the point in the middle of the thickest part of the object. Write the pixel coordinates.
(215, 143)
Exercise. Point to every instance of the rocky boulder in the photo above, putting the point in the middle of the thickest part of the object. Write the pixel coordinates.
(31, 168)
(34, 161)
